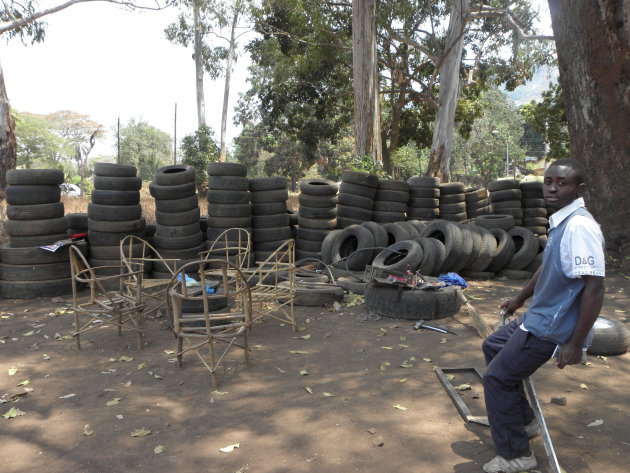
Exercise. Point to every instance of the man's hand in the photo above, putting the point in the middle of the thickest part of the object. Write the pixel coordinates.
(569, 355)
(511, 305)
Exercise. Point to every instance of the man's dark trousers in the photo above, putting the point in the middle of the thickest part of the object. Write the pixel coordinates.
(512, 355)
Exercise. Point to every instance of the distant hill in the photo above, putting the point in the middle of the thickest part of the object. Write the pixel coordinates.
(533, 89)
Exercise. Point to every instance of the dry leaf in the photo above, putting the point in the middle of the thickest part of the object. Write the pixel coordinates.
(402, 408)
(305, 337)
(281, 370)
(67, 396)
(303, 373)
(13, 412)
(402, 380)
(159, 449)
(142, 366)
(386, 348)
(168, 352)
(596, 423)
(298, 352)
(125, 358)
(308, 390)
(143, 432)
(443, 340)
(403, 338)
(371, 430)
(23, 382)
(113, 402)
(384, 366)
(464, 387)
(301, 329)
(87, 431)
(450, 377)
(328, 395)
(12, 371)
(583, 386)
(28, 334)
(428, 360)
(229, 448)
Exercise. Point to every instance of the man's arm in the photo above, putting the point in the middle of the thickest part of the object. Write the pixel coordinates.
(512, 305)
(590, 306)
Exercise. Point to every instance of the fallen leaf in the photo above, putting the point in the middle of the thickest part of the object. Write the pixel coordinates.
(120, 416)
(382, 332)
(159, 449)
(281, 370)
(12, 371)
(169, 352)
(28, 334)
(378, 441)
(399, 407)
(450, 377)
(125, 358)
(157, 376)
(402, 380)
(386, 348)
(583, 386)
(428, 360)
(23, 383)
(328, 395)
(303, 373)
(596, 423)
(87, 431)
(464, 387)
(308, 390)
(142, 366)
(443, 340)
(229, 448)
(13, 412)
(403, 338)
(371, 430)
(127, 384)
(407, 363)
(305, 337)
(384, 366)
(67, 396)
(301, 329)
(45, 356)
(298, 352)
(143, 432)
(113, 402)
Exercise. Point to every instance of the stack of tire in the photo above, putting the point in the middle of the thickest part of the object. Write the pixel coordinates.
(534, 208)
(317, 216)
(505, 195)
(35, 218)
(229, 200)
(77, 222)
(477, 202)
(453, 201)
(424, 198)
(390, 201)
(178, 237)
(356, 198)
(270, 219)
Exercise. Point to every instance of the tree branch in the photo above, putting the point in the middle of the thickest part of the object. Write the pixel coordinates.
(485, 11)
(412, 43)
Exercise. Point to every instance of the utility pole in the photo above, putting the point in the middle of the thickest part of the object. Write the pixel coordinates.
(175, 137)
(118, 145)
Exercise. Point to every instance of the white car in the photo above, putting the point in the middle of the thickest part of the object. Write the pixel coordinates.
(71, 190)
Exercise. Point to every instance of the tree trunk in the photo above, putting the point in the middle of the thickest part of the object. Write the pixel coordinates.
(8, 147)
(440, 159)
(226, 89)
(593, 45)
(201, 103)
(365, 76)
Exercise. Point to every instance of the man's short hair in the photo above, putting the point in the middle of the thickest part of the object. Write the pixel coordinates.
(577, 166)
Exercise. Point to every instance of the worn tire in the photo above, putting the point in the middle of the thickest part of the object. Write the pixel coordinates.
(25, 177)
(355, 244)
(32, 194)
(226, 169)
(36, 227)
(113, 197)
(318, 187)
(401, 256)
(108, 183)
(526, 248)
(610, 337)
(115, 170)
(504, 251)
(175, 174)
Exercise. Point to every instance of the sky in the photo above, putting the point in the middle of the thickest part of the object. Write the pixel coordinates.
(106, 62)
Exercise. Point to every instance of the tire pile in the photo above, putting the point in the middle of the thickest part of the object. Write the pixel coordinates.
(505, 195)
(390, 201)
(270, 219)
(453, 201)
(356, 198)
(178, 233)
(35, 218)
(424, 198)
(477, 202)
(114, 212)
(317, 216)
(229, 204)
(534, 209)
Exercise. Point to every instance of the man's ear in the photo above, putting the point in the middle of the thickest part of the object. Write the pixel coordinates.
(580, 189)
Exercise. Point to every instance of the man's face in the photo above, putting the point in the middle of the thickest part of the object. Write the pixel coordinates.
(560, 186)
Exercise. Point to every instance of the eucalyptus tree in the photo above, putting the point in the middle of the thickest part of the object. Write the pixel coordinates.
(144, 146)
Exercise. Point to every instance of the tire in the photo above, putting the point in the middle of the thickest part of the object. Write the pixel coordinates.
(178, 218)
(507, 194)
(428, 264)
(353, 200)
(179, 191)
(77, 220)
(177, 205)
(387, 217)
(233, 183)
(411, 304)
(424, 203)
(424, 193)
(533, 203)
(389, 206)
(266, 221)
(354, 213)
(179, 242)
(391, 196)
(475, 194)
(233, 235)
(504, 251)
(35, 289)
(311, 234)
(526, 248)
(359, 178)
(458, 217)
(109, 238)
(317, 212)
(226, 169)
(314, 294)
(228, 197)
(117, 183)
(301, 255)
(457, 208)
(413, 231)
(306, 245)
(424, 181)
(117, 226)
(392, 185)
(229, 210)
(450, 235)
(503, 184)
(486, 253)
(317, 223)
(258, 184)
(271, 234)
(319, 201)
(230, 222)
(506, 204)
(343, 222)
(35, 211)
(22, 177)
(110, 197)
(32, 194)
(517, 213)
(34, 255)
(175, 174)
(355, 244)
(478, 204)
(401, 256)
(534, 186)
(272, 195)
(269, 208)
(535, 221)
(352, 284)
(318, 187)
(36, 227)
(113, 252)
(115, 170)
(326, 245)
(504, 222)
(177, 231)
(356, 189)
(529, 212)
(423, 213)
(396, 233)
(449, 188)
(610, 337)
(452, 199)
(516, 274)
(35, 240)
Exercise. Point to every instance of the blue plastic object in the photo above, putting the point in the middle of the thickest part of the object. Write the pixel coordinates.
(453, 279)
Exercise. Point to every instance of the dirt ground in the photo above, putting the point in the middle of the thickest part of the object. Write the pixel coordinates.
(362, 414)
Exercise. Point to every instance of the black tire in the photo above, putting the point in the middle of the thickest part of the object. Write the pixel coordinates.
(229, 210)
(507, 194)
(486, 253)
(35, 240)
(319, 201)
(343, 222)
(229, 222)
(526, 248)
(387, 217)
(317, 294)
(413, 231)
(32, 194)
(113, 252)
(534, 186)
(504, 222)
(177, 231)
(504, 251)
(503, 184)
(353, 200)
(418, 225)
(233, 183)
(479, 204)
(411, 304)
(271, 234)
(423, 203)
(396, 233)
(257, 184)
(516, 274)
(388, 206)
(177, 205)
(352, 284)
(269, 208)
(301, 255)
(115, 170)
(533, 203)
(35, 255)
(475, 194)
(327, 244)
(529, 212)
(24, 177)
(178, 243)
(355, 244)
(317, 223)
(121, 226)
(35, 211)
(77, 220)
(424, 193)
(402, 256)
(226, 169)
(424, 181)
(266, 221)
(175, 174)
(317, 212)
(355, 213)
(306, 245)
(233, 235)
(109, 238)
(360, 178)
(610, 337)
(392, 185)
(311, 234)
(178, 218)
(391, 196)
(452, 199)
(35, 289)
(506, 204)
(457, 208)
(470, 246)
(449, 188)
(423, 213)
(108, 183)
(318, 187)
(36, 227)
(356, 189)
(272, 195)
(228, 197)
(458, 217)
(172, 192)
(535, 221)
(110, 197)
(449, 234)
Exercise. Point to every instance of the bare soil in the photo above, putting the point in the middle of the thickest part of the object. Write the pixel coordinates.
(374, 418)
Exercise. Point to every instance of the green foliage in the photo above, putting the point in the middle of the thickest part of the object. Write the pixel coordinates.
(409, 160)
(38, 145)
(33, 31)
(548, 118)
(144, 146)
(198, 149)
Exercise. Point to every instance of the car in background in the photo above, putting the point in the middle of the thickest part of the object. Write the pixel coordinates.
(71, 190)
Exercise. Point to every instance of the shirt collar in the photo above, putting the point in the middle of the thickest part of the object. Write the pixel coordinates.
(557, 218)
